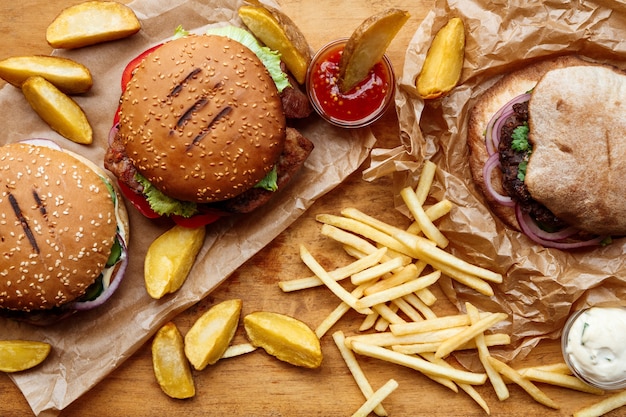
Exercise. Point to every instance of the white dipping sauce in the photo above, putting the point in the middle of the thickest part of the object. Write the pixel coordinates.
(596, 344)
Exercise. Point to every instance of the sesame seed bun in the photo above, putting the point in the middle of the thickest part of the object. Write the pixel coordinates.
(202, 119)
(57, 227)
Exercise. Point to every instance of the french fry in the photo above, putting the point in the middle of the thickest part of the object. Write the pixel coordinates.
(332, 285)
(369, 322)
(358, 215)
(524, 383)
(561, 380)
(356, 371)
(423, 248)
(446, 382)
(377, 271)
(348, 239)
(496, 339)
(338, 313)
(377, 398)
(418, 364)
(426, 226)
(600, 408)
(425, 181)
(468, 333)
(471, 281)
(388, 314)
(502, 392)
(469, 389)
(558, 367)
(389, 339)
(398, 291)
(420, 305)
(434, 212)
(459, 320)
(364, 230)
(337, 274)
(407, 309)
(408, 273)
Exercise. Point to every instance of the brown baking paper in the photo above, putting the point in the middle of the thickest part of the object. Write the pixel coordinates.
(88, 346)
(541, 286)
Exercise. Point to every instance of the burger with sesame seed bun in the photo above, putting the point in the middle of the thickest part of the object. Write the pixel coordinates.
(63, 233)
(201, 130)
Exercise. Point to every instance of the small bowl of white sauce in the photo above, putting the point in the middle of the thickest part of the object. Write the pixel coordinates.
(594, 346)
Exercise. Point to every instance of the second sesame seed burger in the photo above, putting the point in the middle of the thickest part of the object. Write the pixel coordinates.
(201, 130)
(63, 233)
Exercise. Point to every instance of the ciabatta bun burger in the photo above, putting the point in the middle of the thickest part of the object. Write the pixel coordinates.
(548, 149)
(63, 233)
(202, 131)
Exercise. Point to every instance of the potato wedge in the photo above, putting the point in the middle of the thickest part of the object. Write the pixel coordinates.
(284, 337)
(278, 32)
(20, 355)
(212, 332)
(444, 61)
(367, 45)
(57, 109)
(171, 369)
(90, 23)
(67, 75)
(170, 258)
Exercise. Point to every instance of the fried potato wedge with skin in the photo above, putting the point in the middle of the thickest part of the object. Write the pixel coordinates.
(171, 368)
(169, 259)
(20, 355)
(211, 333)
(444, 61)
(90, 23)
(367, 45)
(58, 110)
(67, 75)
(284, 337)
(278, 32)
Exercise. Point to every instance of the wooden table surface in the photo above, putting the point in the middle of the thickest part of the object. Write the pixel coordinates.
(256, 384)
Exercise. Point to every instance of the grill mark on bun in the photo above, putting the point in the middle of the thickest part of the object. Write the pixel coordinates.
(223, 113)
(40, 204)
(24, 223)
(179, 87)
(200, 103)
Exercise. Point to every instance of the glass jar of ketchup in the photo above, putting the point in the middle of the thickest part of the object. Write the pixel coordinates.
(359, 107)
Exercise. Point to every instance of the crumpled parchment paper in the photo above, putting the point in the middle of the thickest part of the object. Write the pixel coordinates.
(88, 346)
(541, 286)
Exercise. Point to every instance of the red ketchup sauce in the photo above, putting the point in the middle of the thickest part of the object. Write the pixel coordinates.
(358, 107)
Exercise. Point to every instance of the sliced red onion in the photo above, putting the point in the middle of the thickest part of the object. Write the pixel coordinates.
(496, 132)
(490, 164)
(492, 136)
(528, 230)
(114, 284)
(48, 143)
(113, 133)
(542, 234)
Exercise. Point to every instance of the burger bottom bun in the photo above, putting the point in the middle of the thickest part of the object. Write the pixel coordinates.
(486, 105)
(577, 120)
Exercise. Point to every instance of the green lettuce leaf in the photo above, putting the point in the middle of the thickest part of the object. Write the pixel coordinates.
(270, 181)
(164, 205)
(271, 59)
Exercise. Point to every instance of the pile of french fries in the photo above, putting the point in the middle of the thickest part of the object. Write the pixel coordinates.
(390, 285)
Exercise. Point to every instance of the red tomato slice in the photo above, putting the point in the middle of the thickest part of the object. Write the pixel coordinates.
(198, 220)
(140, 203)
